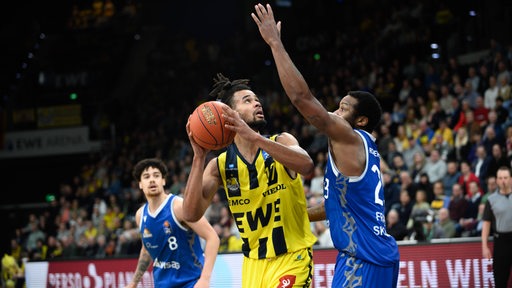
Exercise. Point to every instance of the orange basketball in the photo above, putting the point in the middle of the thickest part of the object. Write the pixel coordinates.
(207, 126)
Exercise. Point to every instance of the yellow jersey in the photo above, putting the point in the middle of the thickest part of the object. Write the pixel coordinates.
(268, 206)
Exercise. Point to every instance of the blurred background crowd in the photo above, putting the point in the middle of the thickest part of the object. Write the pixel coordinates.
(137, 69)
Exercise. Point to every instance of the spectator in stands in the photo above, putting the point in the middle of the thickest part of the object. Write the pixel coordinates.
(407, 183)
(505, 91)
(447, 224)
(397, 166)
(435, 166)
(433, 229)
(480, 166)
(490, 187)
(469, 95)
(493, 123)
(466, 176)
(213, 212)
(468, 223)
(491, 93)
(451, 177)
(391, 191)
(473, 77)
(481, 113)
(418, 167)
(404, 207)
(443, 140)
(323, 234)
(32, 237)
(502, 114)
(458, 203)
(440, 199)
(394, 226)
(419, 208)
(490, 138)
(462, 145)
(497, 160)
(316, 186)
(401, 141)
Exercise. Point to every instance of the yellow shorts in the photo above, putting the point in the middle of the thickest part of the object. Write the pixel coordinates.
(293, 269)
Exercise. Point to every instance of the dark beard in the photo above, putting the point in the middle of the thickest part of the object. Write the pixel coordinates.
(258, 124)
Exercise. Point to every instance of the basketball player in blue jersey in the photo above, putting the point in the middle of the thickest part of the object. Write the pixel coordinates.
(171, 243)
(261, 177)
(353, 193)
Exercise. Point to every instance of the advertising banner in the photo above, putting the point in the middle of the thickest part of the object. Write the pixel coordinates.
(430, 265)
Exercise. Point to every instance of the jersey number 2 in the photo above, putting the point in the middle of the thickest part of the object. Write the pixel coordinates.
(376, 170)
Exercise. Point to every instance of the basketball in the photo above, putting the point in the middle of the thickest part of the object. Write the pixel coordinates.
(207, 126)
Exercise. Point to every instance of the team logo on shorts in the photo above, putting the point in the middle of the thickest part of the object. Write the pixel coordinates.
(286, 281)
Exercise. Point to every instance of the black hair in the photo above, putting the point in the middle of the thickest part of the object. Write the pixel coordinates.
(223, 88)
(368, 106)
(144, 164)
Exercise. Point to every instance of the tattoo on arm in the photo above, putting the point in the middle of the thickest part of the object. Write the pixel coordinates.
(142, 266)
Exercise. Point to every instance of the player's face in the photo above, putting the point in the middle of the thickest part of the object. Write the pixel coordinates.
(248, 105)
(152, 182)
(346, 109)
(503, 180)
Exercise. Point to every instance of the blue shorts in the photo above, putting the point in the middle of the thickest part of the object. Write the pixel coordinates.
(353, 272)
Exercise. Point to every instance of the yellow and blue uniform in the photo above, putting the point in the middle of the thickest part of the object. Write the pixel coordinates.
(269, 209)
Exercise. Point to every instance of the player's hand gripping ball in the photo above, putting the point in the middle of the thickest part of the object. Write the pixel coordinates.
(207, 126)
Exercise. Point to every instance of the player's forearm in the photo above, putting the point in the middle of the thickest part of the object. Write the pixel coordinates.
(142, 266)
(210, 254)
(486, 229)
(317, 213)
(292, 157)
(293, 82)
(194, 203)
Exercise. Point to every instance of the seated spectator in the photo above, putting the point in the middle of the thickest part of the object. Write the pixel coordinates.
(440, 199)
(323, 234)
(462, 145)
(480, 164)
(435, 167)
(391, 191)
(497, 160)
(420, 206)
(458, 203)
(404, 207)
(451, 177)
(448, 226)
(394, 227)
(466, 176)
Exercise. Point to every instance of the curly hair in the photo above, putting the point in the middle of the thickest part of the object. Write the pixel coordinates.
(144, 164)
(223, 88)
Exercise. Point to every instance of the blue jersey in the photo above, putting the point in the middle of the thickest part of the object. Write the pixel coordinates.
(354, 207)
(176, 251)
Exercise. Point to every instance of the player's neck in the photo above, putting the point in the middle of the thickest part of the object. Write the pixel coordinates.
(247, 148)
(155, 202)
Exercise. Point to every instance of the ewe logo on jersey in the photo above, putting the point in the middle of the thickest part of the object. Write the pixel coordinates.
(286, 281)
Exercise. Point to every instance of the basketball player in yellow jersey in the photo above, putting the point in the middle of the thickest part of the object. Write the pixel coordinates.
(262, 180)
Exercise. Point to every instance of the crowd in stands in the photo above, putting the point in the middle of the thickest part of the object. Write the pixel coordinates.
(446, 129)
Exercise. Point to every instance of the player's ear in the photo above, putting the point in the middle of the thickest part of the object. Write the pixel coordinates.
(361, 121)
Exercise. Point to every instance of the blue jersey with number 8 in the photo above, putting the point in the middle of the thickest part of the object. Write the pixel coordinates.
(354, 207)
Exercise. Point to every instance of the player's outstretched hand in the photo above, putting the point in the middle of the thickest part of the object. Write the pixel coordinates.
(270, 30)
